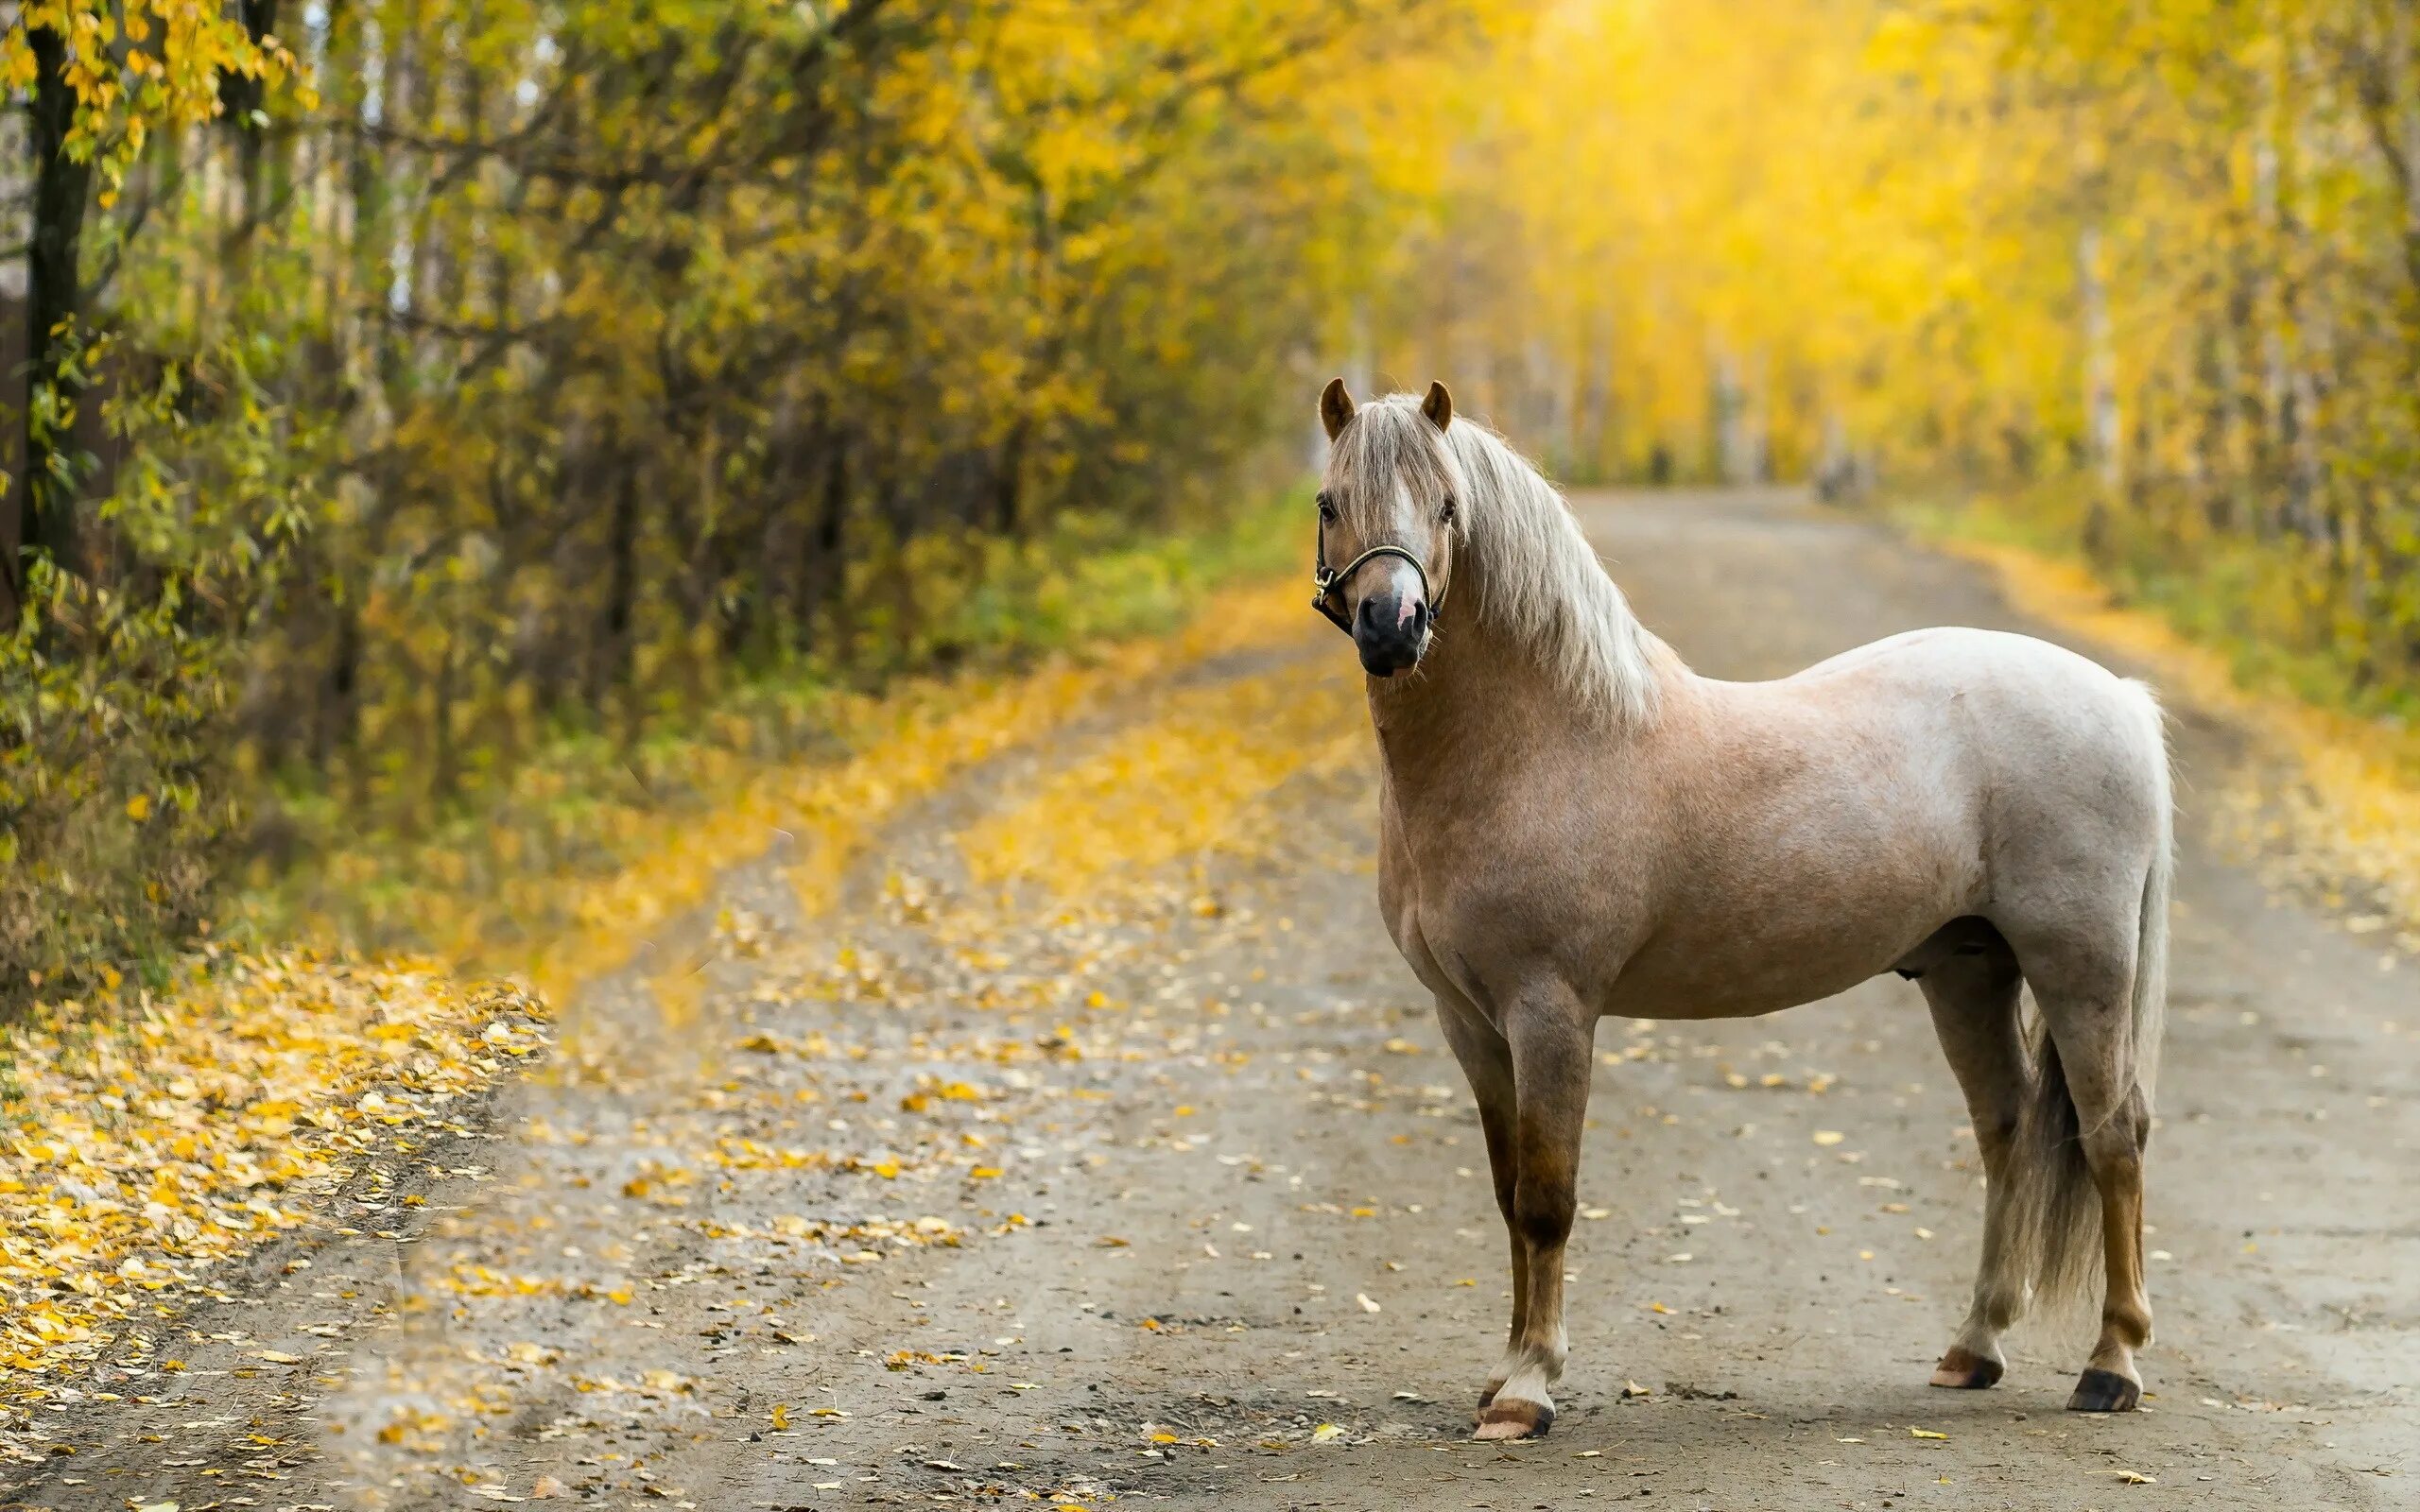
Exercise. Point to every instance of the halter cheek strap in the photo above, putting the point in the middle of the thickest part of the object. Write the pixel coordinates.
(1326, 580)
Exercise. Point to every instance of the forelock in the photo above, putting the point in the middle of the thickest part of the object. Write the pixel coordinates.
(1389, 441)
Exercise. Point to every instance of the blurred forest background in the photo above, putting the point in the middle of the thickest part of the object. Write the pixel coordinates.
(431, 424)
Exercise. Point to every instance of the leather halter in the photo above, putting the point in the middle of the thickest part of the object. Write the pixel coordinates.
(1326, 580)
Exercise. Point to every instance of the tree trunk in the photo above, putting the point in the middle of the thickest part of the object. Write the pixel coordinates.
(336, 727)
(52, 305)
(241, 98)
(618, 658)
(1008, 482)
(443, 759)
(823, 573)
(2102, 431)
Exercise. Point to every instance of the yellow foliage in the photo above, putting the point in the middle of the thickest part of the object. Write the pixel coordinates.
(201, 1122)
(1183, 784)
(2157, 259)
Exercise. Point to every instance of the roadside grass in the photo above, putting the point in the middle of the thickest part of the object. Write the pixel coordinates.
(364, 996)
(2330, 807)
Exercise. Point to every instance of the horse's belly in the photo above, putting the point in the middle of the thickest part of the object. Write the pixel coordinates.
(1738, 975)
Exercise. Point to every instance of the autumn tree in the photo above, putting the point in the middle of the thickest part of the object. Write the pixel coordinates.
(2145, 272)
(421, 387)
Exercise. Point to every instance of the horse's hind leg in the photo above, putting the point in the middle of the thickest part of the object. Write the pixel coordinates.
(1974, 1001)
(2094, 1038)
(1487, 1062)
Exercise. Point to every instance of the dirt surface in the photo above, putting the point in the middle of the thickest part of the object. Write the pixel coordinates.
(1162, 1188)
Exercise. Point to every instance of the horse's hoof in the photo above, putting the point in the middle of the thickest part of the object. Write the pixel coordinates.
(2104, 1391)
(1966, 1371)
(1489, 1395)
(1514, 1419)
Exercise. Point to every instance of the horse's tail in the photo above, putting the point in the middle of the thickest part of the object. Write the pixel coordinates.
(2054, 1211)
(2149, 1007)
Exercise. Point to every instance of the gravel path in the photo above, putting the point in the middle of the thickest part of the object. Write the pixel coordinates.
(1157, 1185)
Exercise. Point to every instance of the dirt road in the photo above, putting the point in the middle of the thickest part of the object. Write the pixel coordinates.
(1099, 1147)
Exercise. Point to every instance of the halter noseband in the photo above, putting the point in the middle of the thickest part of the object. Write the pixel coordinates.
(1326, 580)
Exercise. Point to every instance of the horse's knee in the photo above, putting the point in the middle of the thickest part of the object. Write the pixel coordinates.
(2113, 1145)
(1543, 1212)
(2137, 1116)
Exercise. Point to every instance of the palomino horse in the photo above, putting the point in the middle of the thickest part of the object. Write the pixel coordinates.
(1574, 824)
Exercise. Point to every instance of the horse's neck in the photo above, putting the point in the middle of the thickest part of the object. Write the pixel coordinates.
(1478, 702)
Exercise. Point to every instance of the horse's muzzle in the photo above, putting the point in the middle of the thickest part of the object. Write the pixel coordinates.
(1389, 634)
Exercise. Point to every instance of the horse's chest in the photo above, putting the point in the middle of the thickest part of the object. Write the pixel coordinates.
(1415, 919)
(1432, 956)
(1399, 904)
(1473, 930)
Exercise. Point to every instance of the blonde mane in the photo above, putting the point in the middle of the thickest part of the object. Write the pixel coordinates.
(1522, 563)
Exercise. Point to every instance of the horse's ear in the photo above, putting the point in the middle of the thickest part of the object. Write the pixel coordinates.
(1336, 406)
(1439, 405)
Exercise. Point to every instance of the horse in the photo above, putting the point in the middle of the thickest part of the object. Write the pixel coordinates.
(1573, 824)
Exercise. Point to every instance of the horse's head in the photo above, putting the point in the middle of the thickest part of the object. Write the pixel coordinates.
(1386, 522)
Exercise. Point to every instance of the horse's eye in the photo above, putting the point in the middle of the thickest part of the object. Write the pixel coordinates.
(1327, 511)
(1446, 516)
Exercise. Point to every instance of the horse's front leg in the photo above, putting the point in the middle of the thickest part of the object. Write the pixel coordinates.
(1487, 1062)
(1551, 1043)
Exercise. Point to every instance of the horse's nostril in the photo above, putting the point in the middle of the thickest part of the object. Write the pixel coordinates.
(1391, 628)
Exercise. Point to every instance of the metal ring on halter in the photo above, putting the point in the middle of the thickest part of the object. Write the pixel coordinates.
(1328, 581)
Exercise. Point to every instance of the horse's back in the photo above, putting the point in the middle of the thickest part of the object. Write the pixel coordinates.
(2064, 761)
(1965, 657)
(2016, 703)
